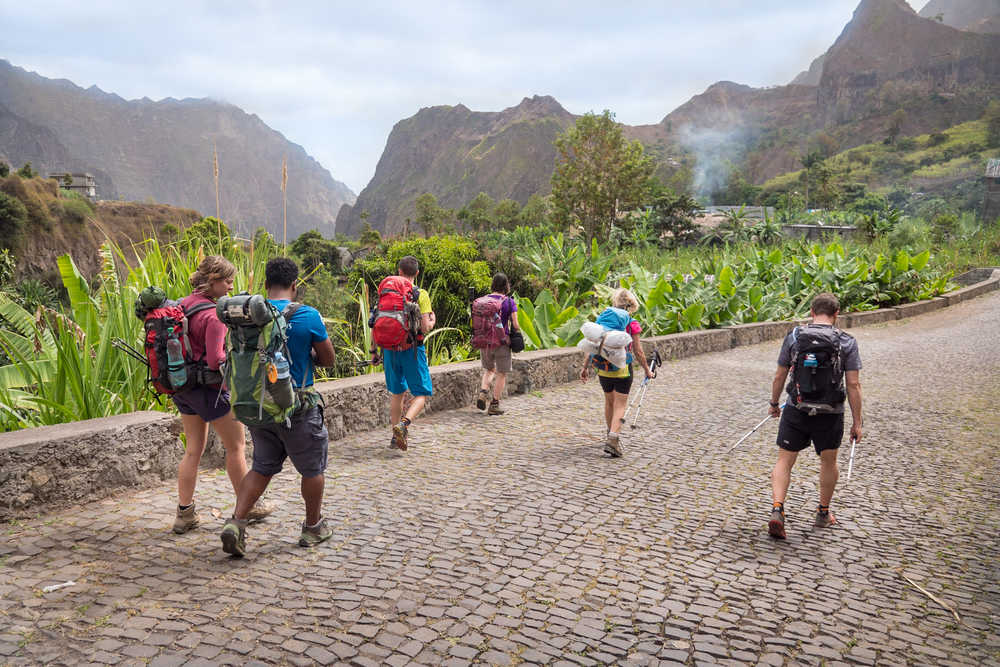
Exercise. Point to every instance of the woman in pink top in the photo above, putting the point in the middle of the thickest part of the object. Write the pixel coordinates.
(208, 403)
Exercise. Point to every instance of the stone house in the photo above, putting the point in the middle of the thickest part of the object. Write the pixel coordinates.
(77, 182)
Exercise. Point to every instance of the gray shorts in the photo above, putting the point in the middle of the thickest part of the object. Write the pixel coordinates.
(497, 358)
(305, 444)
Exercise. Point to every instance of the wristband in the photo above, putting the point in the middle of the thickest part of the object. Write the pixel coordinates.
(773, 404)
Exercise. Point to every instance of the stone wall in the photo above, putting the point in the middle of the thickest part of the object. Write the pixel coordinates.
(46, 467)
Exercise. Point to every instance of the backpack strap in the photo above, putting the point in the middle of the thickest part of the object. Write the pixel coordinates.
(194, 310)
(290, 309)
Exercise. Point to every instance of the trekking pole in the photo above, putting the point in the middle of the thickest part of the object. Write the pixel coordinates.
(129, 350)
(754, 429)
(850, 462)
(642, 392)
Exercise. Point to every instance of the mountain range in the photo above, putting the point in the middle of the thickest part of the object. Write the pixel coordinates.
(165, 151)
(887, 58)
(927, 72)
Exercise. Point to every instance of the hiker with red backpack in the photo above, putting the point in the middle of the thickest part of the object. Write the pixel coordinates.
(616, 380)
(494, 324)
(201, 398)
(820, 358)
(399, 323)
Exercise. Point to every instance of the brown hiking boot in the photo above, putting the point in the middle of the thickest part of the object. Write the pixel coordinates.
(186, 520)
(613, 445)
(494, 408)
(260, 509)
(398, 441)
(481, 399)
(776, 526)
(825, 519)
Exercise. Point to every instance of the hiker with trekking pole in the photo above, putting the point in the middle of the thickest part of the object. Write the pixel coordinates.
(823, 364)
(609, 344)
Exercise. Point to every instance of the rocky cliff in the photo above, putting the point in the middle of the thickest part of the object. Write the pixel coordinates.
(163, 151)
(971, 15)
(457, 153)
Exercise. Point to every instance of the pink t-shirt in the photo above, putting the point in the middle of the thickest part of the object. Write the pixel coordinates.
(633, 328)
(206, 333)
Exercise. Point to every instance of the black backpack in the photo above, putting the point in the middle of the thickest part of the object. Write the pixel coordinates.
(817, 384)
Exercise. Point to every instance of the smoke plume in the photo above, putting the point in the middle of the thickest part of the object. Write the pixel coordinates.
(715, 151)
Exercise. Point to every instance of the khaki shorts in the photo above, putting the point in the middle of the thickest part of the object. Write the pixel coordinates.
(497, 358)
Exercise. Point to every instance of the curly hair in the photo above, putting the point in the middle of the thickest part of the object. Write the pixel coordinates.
(212, 268)
(624, 299)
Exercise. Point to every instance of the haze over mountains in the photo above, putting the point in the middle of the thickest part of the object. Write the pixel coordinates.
(141, 149)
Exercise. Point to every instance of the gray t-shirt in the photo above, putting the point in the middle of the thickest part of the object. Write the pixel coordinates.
(849, 356)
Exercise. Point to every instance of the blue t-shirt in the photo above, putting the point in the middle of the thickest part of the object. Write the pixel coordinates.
(305, 327)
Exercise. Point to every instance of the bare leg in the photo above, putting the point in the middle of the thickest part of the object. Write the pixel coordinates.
(312, 494)
(609, 408)
(487, 379)
(251, 488)
(620, 403)
(781, 476)
(231, 433)
(395, 408)
(499, 385)
(416, 405)
(828, 475)
(196, 433)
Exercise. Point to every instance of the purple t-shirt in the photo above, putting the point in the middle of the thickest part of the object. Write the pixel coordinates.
(507, 310)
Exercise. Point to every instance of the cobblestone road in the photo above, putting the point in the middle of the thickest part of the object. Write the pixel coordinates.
(511, 539)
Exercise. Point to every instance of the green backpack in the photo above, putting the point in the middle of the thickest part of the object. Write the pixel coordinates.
(257, 360)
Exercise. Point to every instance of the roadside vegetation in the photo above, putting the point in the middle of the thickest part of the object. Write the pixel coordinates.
(564, 253)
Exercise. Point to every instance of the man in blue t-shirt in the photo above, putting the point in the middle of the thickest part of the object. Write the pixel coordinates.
(305, 443)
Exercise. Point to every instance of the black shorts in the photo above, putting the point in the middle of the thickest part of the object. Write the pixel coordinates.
(206, 401)
(621, 385)
(305, 443)
(797, 429)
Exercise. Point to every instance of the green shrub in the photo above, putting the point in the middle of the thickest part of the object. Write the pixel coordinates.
(937, 138)
(26, 171)
(76, 210)
(13, 216)
(449, 267)
(911, 233)
(4, 169)
(944, 227)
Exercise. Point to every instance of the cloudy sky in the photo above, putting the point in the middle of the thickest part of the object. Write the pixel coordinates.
(335, 77)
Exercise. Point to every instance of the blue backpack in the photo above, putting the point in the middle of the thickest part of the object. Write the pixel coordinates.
(614, 319)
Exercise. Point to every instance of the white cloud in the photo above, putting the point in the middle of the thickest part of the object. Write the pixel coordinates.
(335, 78)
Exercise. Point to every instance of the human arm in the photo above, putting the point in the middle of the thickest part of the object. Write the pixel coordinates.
(641, 355)
(777, 384)
(323, 353)
(427, 317)
(853, 380)
(215, 341)
(585, 370)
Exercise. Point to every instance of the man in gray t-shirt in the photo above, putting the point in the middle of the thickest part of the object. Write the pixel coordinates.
(824, 430)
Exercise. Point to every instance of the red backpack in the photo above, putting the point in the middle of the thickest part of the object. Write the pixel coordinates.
(168, 350)
(487, 325)
(396, 320)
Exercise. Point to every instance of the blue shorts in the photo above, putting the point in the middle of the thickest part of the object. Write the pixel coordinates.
(406, 370)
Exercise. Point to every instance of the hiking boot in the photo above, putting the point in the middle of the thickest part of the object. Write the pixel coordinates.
(481, 399)
(613, 445)
(186, 520)
(260, 509)
(825, 519)
(776, 526)
(494, 408)
(398, 437)
(234, 538)
(310, 537)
